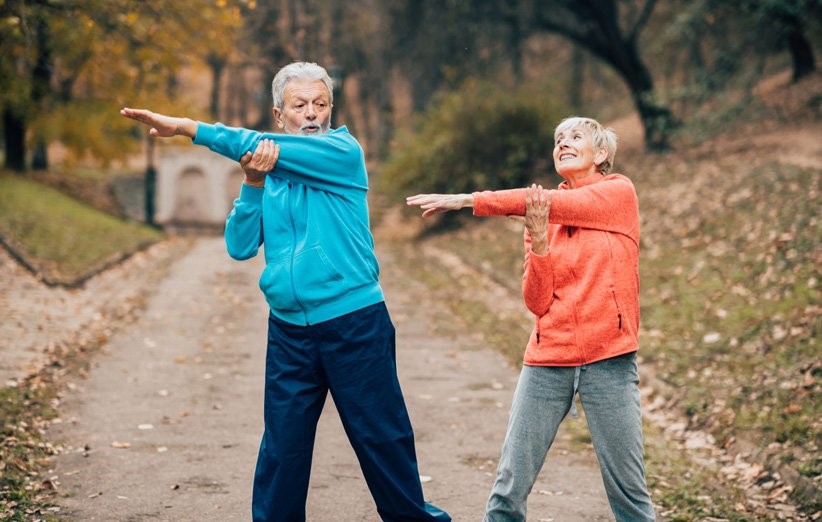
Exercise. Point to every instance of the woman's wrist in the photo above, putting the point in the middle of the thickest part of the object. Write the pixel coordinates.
(539, 244)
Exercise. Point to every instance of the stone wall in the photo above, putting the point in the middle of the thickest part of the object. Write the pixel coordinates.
(195, 187)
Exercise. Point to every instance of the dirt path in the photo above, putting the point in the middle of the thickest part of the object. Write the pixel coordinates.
(166, 426)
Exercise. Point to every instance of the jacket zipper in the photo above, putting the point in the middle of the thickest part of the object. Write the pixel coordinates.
(294, 253)
(619, 312)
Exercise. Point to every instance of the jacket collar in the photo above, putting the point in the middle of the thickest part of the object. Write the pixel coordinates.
(588, 180)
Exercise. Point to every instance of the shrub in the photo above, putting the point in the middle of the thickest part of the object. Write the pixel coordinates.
(479, 137)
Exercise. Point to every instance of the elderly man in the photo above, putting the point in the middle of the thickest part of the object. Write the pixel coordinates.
(304, 200)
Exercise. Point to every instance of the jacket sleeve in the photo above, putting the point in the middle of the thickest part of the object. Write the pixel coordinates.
(609, 205)
(537, 280)
(499, 202)
(244, 225)
(333, 162)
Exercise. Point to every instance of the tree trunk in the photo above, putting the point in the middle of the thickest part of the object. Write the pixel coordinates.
(41, 88)
(217, 64)
(599, 32)
(14, 135)
(656, 119)
(801, 51)
(39, 156)
(576, 81)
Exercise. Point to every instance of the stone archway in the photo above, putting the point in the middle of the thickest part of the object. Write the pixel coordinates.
(195, 187)
(189, 201)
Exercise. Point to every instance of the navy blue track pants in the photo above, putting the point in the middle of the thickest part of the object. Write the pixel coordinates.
(353, 357)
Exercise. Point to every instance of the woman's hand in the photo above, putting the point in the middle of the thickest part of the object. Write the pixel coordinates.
(257, 165)
(537, 209)
(432, 204)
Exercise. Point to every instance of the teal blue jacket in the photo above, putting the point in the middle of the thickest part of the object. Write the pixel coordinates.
(311, 218)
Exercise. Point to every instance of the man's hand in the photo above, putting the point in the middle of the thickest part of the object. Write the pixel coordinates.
(537, 209)
(433, 204)
(257, 165)
(162, 126)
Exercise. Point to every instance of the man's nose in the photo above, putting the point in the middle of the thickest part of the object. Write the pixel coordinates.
(310, 112)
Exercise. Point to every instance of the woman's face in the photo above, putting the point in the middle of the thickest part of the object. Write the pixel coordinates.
(574, 154)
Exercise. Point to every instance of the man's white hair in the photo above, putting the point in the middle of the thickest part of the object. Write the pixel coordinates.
(299, 71)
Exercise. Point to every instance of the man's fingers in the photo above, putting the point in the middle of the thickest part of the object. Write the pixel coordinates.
(265, 155)
(141, 115)
(245, 159)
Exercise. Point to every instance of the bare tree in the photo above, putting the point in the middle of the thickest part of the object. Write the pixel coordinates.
(610, 30)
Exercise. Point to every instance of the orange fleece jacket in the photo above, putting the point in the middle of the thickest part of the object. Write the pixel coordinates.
(584, 291)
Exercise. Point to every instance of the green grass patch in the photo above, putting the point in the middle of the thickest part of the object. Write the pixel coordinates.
(61, 238)
(686, 492)
(23, 411)
(736, 300)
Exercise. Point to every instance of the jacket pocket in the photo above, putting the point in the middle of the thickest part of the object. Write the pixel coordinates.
(308, 278)
(316, 279)
(275, 282)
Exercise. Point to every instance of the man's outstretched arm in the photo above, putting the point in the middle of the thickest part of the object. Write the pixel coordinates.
(162, 126)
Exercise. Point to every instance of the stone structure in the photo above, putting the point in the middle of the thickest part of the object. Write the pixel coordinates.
(195, 187)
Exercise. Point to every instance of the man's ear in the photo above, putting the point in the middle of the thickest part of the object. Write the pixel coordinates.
(278, 118)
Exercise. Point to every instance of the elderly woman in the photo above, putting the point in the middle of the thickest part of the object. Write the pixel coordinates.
(581, 282)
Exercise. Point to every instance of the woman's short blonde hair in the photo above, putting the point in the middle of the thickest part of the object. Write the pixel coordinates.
(601, 137)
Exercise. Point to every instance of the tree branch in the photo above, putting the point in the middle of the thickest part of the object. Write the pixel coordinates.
(642, 21)
(580, 38)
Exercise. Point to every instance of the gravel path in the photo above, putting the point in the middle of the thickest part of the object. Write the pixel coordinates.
(166, 424)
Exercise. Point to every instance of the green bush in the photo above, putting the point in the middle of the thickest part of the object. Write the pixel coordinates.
(479, 137)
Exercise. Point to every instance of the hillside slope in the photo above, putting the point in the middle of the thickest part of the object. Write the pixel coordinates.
(730, 268)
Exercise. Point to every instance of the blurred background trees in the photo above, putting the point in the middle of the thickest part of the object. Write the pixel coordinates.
(67, 65)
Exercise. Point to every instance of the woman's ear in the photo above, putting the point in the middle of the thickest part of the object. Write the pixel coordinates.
(601, 156)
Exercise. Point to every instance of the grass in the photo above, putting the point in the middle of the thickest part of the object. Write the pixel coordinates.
(735, 298)
(24, 411)
(61, 238)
